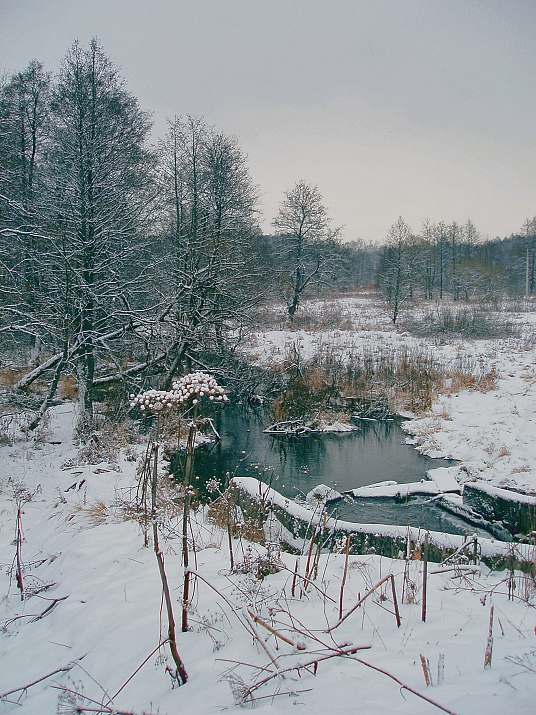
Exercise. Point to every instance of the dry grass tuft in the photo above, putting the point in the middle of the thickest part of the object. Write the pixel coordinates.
(97, 513)
(223, 514)
(459, 380)
(9, 376)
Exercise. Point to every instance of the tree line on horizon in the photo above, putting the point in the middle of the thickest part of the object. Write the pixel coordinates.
(120, 258)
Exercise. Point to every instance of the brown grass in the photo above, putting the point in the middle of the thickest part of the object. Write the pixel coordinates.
(328, 383)
(460, 380)
(9, 376)
(68, 388)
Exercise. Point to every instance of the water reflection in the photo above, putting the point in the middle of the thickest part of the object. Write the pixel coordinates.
(293, 466)
(376, 452)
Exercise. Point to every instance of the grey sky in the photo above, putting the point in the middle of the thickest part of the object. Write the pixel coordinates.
(419, 108)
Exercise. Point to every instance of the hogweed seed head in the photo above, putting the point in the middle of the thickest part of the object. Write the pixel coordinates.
(196, 384)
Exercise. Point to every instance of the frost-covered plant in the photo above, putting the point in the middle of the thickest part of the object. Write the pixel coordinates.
(185, 395)
(190, 388)
(27, 584)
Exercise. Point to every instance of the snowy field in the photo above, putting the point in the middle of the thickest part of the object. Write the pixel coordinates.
(86, 636)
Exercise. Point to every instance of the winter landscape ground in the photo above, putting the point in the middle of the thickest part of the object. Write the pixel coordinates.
(90, 634)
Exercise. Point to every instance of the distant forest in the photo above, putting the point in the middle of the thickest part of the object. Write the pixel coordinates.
(121, 258)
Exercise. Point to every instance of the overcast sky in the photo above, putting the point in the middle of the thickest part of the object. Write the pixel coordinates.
(418, 108)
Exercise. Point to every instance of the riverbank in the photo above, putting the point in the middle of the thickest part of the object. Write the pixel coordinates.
(487, 424)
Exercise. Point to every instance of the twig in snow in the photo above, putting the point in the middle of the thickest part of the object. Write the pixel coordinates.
(231, 605)
(49, 609)
(276, 633)
(405, 687)
(364, 598)
(306, 633)
(264, 646)
(426, 670)
(466, 543)
(127, 681)
(24, 688)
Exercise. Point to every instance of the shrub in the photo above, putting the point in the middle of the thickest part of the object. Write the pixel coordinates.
(396, 379)
(470, 321)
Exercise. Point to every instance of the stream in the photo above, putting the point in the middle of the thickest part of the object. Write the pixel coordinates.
(293, 466)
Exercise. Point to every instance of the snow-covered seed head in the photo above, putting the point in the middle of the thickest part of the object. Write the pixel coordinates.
(195, 385)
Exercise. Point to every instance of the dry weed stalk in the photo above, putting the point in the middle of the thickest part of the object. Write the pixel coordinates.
(185, 393)
(71, 702)
(345, 651)
(181, 675)
(344, 573)
(188, 476)
(441, 669)
(389, 577)
(425, 663)
(18, 554)
(294, 577)
(424, 579)
(306, 582)
(21, 495)
(489, 644)
(4, 697)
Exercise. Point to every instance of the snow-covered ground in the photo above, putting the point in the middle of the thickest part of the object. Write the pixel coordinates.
(97, 610)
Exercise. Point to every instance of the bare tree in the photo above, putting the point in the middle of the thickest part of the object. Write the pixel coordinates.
(395, 274)
(100, 197)
(529, 230)
(210, 218)
(470, 238)
(307, 242)
(24, 105)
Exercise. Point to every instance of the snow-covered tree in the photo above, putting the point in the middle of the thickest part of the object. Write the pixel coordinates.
(210, 218)
(100, 198)
(24, 107)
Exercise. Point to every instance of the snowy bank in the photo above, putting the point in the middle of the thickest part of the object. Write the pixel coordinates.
(294, 524)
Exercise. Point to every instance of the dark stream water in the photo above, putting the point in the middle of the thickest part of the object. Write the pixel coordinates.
(295, 465)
